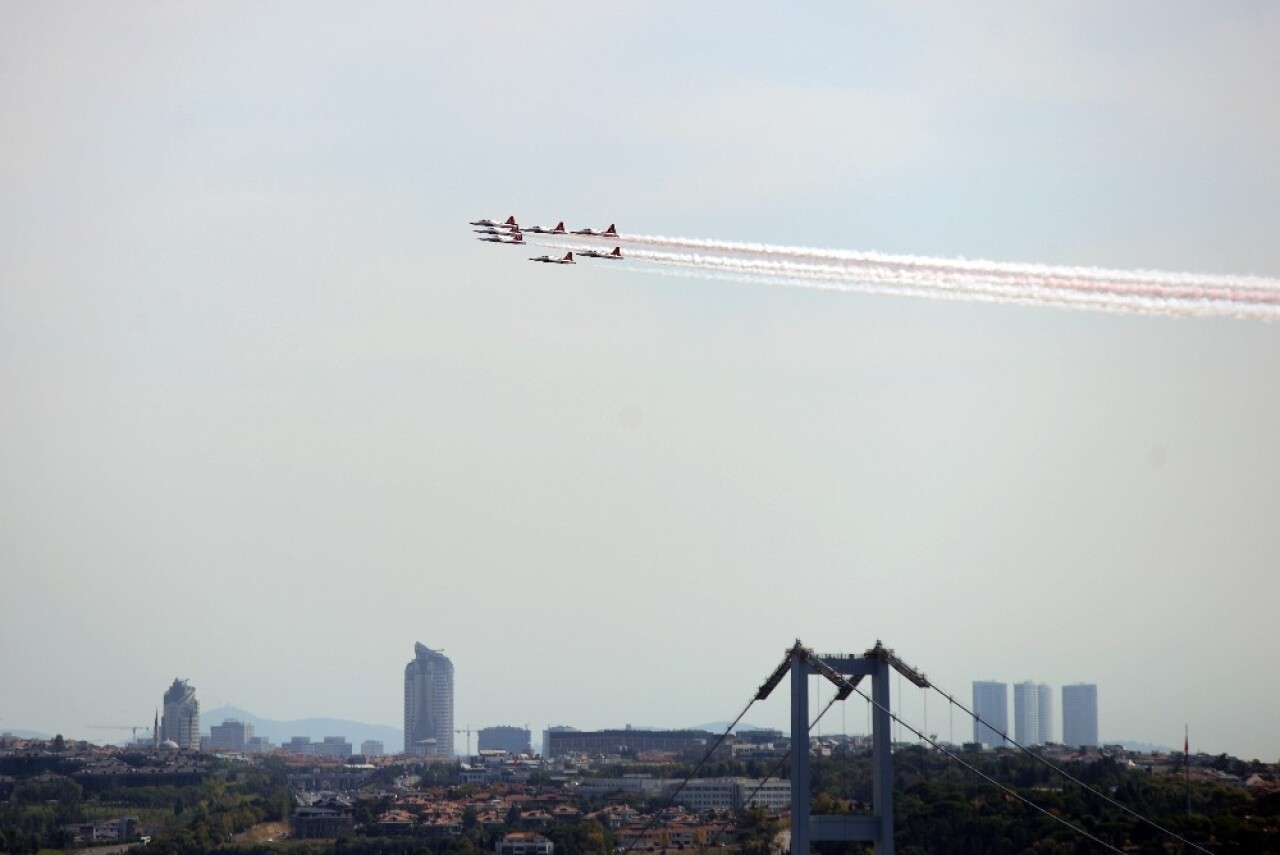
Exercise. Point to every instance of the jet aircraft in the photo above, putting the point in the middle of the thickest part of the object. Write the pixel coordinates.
(595, 253)
(609, 232)
(568, 259)
(510, 223)
(558, 230)
(511, 237)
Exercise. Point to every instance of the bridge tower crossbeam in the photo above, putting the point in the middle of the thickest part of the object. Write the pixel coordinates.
(806, 828)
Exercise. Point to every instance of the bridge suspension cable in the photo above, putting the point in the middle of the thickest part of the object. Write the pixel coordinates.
(1007, 790)
(1072, 778)
(657, 814)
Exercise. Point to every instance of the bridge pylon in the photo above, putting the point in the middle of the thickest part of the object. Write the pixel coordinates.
(845, 671)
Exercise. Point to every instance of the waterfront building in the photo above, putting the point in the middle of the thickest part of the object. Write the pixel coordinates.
(991, 704)
(428, 704)
(181, 722)
(1080, 715)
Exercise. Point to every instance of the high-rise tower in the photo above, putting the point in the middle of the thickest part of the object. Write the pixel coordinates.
(1046, 713)
(181, 722)
(428, 704)
(991, 704)
(1080, 715)
(1026, 713)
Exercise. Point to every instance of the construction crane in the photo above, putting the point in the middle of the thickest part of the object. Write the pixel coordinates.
(130, 727)
(467, 731)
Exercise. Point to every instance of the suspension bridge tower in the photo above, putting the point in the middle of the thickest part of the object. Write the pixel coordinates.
(845, 672)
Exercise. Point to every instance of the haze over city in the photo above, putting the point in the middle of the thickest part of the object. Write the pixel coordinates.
(271, 415)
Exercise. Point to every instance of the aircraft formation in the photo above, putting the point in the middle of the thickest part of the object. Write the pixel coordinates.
(1139, 291)
(510, 232)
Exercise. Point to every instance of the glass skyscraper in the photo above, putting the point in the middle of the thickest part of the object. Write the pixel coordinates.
(181, 722)
(428, 704)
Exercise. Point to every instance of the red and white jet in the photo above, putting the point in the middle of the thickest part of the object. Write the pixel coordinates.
(568, 259)
(509, 223)
(609, 232)
(516, 237)
(539, 230)
(595, 253)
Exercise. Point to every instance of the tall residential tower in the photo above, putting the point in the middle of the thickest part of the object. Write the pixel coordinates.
(428, 704)
(1046, 714)
(1032, 713)
(1080, 715)
(991, 704)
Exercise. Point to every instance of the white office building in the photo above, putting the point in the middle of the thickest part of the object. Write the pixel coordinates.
(701, 794)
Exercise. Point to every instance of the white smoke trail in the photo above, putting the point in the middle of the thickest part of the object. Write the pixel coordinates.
(871, 288)
(983, 292)
(958, 264)
(1145, 292)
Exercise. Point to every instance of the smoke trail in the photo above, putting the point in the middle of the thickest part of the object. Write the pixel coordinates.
(1145, 292)
(960, 264)
(871, 288)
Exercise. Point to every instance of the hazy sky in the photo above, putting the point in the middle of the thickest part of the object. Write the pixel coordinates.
(269, 414)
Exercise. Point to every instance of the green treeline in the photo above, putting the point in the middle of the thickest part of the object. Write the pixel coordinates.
(942, 808)
(201, 816)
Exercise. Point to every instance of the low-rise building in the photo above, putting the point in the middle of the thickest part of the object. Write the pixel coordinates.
(626, 741)
(524, 843)
(329, 818)
(702, 794)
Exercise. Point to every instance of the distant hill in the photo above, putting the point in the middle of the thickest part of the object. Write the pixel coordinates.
(279, 732)
(25, 734)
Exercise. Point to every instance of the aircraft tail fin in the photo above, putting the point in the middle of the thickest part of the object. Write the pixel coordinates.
(611, 230)
(617, 252)
(559, 227)
(568, 256)
(510, 221)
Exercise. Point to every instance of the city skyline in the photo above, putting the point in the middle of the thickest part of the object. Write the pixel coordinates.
(271, 410)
